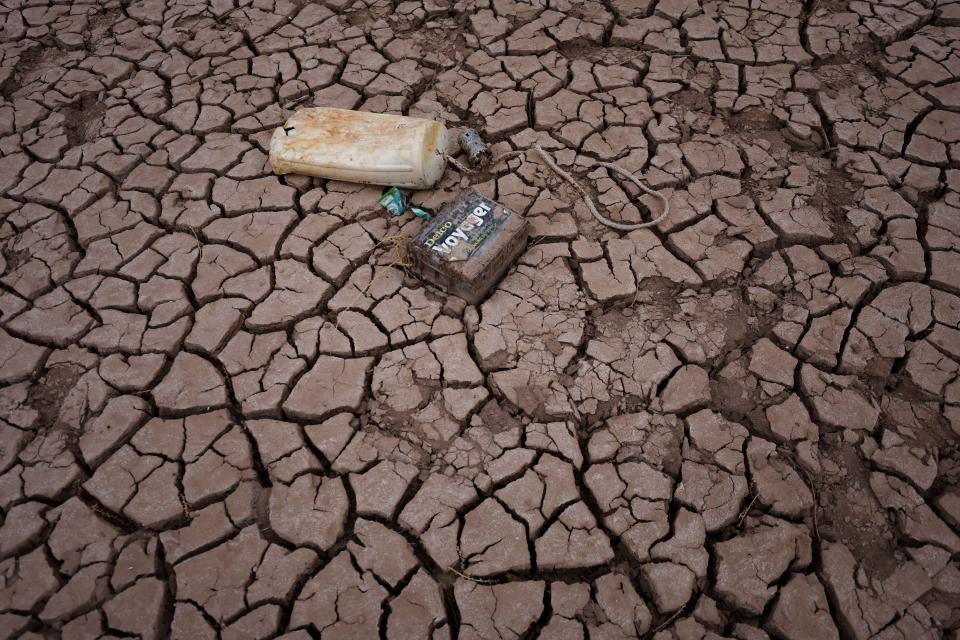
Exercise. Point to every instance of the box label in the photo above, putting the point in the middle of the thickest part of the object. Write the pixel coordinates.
(459, 233)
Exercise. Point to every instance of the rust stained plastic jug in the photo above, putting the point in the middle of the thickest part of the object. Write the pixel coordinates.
(371, 148)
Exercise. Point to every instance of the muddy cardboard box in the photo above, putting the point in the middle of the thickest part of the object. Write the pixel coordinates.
(468, 247)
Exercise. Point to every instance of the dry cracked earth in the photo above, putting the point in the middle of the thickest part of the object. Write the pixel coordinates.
(228, 410)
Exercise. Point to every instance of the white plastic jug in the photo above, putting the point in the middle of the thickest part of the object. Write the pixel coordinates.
(356, 146)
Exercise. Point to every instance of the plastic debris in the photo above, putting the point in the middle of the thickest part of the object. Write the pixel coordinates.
(395, 201)
(356, 146)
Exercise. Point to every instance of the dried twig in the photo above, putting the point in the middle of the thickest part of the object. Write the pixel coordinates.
(813, 490)
(665, 623)
(743, 514)
(294, 102)
(400, 257)
(471, 578)
(187, 513)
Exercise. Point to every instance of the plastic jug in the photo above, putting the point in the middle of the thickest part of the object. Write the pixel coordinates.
(356, 146)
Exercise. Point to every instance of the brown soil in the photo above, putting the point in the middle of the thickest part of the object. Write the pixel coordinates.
(81, 118)
(848, 512)
(29, 59)
(835, 192)
(15, 259)
(47, 395)
(658, 297)
(693, 100)
(593, 52)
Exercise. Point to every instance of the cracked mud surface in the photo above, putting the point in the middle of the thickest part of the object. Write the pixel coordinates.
(226, 412)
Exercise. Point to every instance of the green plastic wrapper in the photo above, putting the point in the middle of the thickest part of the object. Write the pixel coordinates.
(394, 201)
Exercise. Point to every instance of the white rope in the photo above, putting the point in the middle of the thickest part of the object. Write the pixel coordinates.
(548, 159)
(462, 168)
